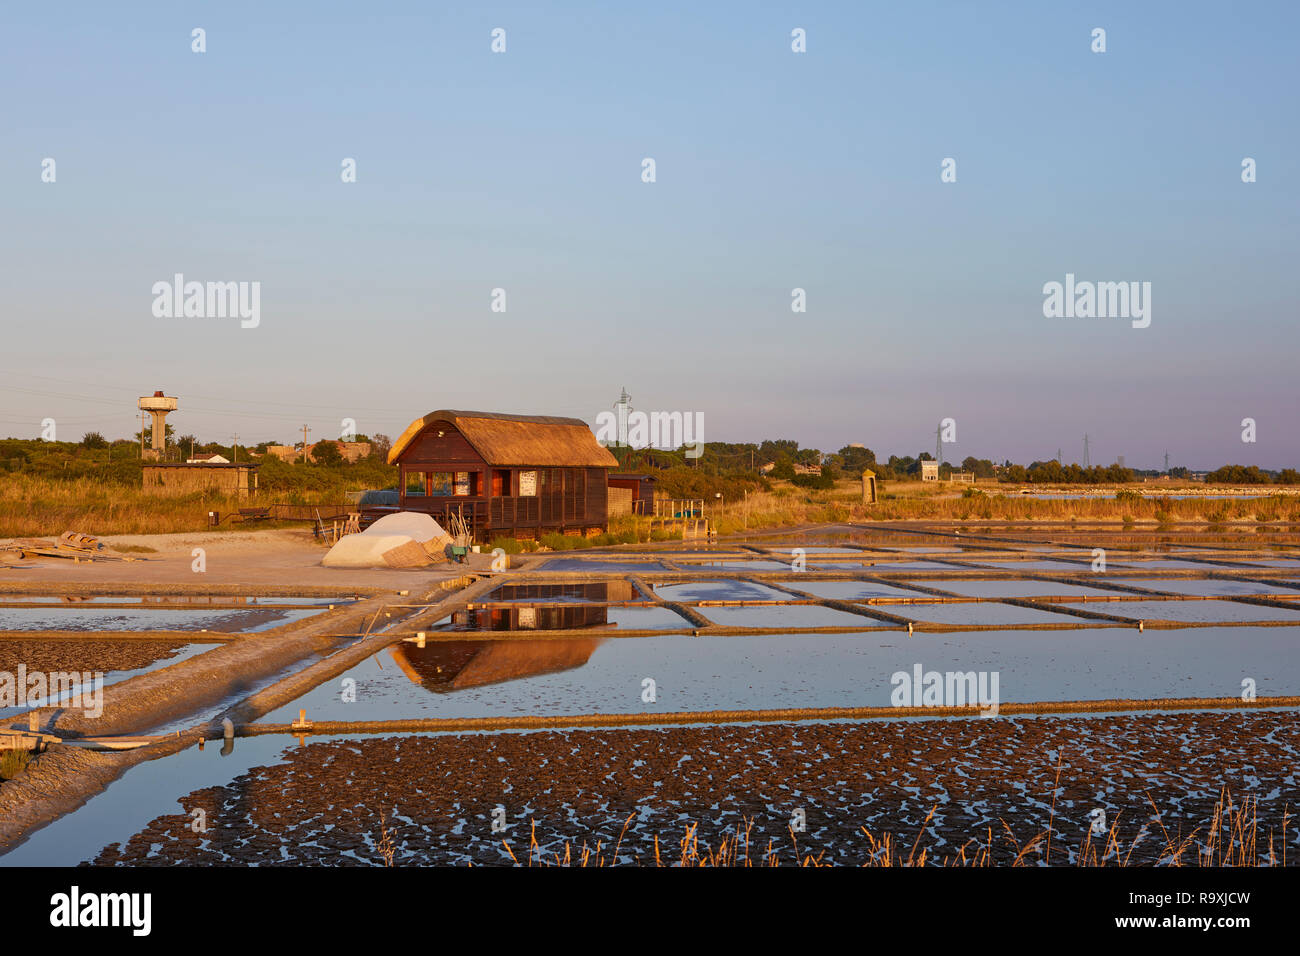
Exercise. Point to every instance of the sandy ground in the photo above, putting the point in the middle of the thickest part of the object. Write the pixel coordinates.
(285, 557)
(325, 804)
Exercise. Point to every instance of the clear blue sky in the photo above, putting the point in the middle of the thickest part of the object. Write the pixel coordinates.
(775, 170)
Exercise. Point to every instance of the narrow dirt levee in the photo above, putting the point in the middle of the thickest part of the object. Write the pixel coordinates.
(65, 777)
(141, 703)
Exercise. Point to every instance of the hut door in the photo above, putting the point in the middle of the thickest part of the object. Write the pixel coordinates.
(574, 494)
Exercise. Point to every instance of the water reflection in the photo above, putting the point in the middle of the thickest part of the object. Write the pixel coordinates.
(545, 607)
(447, 666)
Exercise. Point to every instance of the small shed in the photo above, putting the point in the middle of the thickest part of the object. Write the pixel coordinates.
(628, 488)
(238, 480)
(868, 487)
(517, 475)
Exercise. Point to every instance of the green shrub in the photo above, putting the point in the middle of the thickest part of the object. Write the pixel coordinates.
(822, 481)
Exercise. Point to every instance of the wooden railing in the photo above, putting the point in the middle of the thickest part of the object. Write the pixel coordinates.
(669, 507)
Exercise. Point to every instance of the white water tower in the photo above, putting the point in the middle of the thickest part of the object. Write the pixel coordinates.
(157, 405)
(621, 412)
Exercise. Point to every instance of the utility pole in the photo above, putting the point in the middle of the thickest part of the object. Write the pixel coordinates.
(1086, 463)
(235, 447)
(1166, 462)
(305, 430)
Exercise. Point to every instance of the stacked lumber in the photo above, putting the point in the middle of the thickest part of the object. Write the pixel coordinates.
(71, 544)
(79, 541)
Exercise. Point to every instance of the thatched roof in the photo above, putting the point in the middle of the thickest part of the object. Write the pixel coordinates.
(519, 440)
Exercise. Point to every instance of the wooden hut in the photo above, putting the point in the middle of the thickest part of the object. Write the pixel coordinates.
(517, 475)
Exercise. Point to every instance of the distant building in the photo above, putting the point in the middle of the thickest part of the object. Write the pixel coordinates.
(285, 452)
(929, 471)
(208, 459)
(351, 451)
(807, 469)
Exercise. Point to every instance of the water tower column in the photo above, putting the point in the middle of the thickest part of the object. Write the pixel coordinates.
(157, 405)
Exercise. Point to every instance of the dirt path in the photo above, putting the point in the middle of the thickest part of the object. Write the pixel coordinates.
(286, 558)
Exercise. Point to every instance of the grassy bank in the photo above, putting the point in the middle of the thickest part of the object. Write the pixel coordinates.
(35, 506)
(787, 506)
(40, 506)
(623, 529)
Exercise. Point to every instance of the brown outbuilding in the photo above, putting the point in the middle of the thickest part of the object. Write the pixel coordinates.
(173, 478)
(517, 475)
(626, 489)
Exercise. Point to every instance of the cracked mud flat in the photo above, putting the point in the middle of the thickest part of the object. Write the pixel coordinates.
(197, 619)
(325, 803)
(89, 655)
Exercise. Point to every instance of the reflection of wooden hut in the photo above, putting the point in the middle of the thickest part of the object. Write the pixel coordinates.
(545, 607)
(528, 618)
(445, 666)
(591, 591)
(506, 474)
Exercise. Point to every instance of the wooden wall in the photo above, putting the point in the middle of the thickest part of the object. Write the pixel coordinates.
(187, 479)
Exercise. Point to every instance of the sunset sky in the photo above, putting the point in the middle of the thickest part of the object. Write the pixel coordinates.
(775, 170)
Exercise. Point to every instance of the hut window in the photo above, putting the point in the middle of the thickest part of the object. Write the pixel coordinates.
(464, 486)
(415, 484)
(440, 483)
(528, 484)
